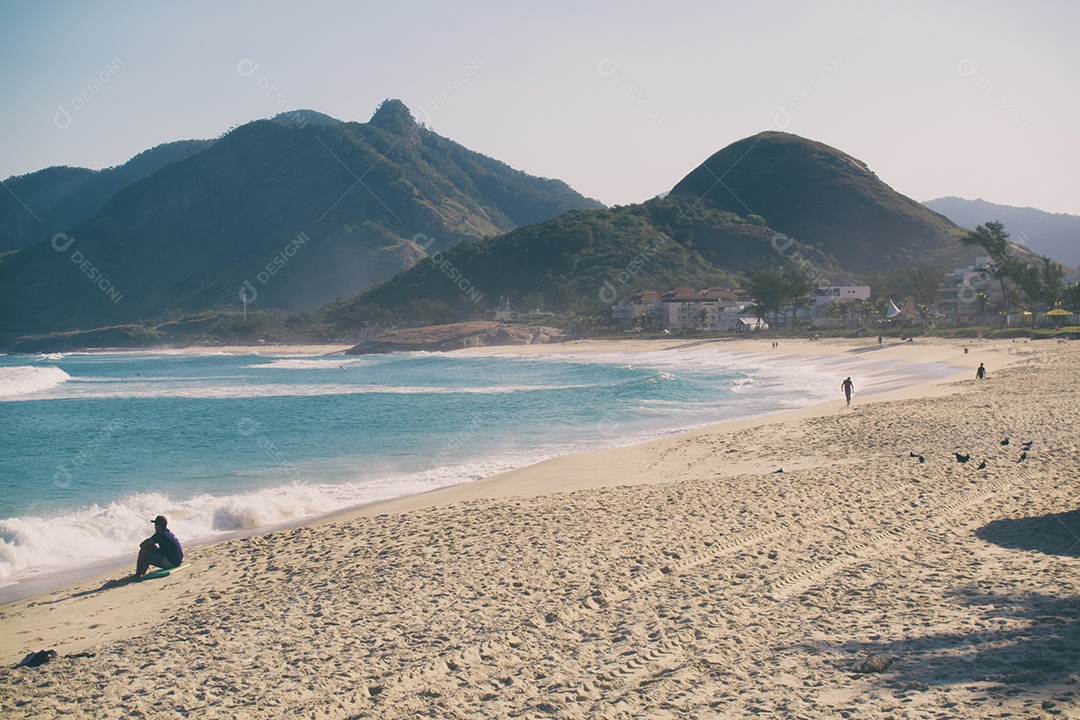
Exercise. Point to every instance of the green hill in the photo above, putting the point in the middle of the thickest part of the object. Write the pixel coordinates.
(772, 199)
(826, 198)
(297, 213)
(580, 261)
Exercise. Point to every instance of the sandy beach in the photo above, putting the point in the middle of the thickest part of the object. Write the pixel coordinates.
(681, 578)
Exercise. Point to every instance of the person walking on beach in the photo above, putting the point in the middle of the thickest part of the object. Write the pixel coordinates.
(161, 549)
(848, 388)
(980, 373)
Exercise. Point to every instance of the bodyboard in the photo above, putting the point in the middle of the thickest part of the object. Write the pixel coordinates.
(162, 572)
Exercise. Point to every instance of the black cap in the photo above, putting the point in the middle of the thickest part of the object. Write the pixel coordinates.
(160, 520)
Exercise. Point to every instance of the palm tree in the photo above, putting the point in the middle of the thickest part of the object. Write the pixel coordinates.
(866, 311)
(981, 301)
(1040, 285)
(993, 238)
(1070, 296)
(838, 311)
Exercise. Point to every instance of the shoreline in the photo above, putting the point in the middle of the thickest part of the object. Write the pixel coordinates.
(820, 353)
(267, 350)
(680, 577)
(940, 352)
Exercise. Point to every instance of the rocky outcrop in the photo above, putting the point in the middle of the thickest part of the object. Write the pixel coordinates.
(440, 338)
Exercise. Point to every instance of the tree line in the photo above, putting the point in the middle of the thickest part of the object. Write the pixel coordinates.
(1032, 283)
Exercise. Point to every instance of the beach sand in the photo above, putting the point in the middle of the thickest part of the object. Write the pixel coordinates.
(680, 578)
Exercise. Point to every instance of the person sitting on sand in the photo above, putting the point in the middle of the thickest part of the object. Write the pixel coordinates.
(161, 549)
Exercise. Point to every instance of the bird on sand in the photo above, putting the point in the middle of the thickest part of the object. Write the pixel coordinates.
(962, 458)
(1005, 441)
(1023, 456)
(1027, 445)
(775, 472)
(982, 465)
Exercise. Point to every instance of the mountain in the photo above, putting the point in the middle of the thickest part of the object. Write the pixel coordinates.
(303, 117)
(580, 261)
(43, 203)
(296, 213)
(1054, 234)
(771, 199)
(825, 198)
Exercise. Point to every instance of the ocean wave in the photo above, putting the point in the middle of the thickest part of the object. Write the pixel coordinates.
(740, 384)
(335, 363)
(158, 388)
(24, 380)
(33, 544)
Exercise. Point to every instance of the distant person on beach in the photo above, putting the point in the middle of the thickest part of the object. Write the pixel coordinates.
(880, 339)
(980, 373)
(161, 549)
(848, 388)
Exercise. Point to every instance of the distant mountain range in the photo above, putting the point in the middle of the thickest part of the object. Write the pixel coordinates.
(296, 212)
(40, 204)
(772, 199)
(1056, 235)
(387, 221)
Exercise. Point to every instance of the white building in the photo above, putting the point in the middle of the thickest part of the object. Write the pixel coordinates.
(959, 298)
(818, 312)
(645, 302)
(840, 293)
(713, 308)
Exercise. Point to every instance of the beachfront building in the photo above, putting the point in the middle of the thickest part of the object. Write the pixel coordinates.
(818, 313)
(840, 293)
(970, 293)
(503, 311)
(679, 308)
(641, 304)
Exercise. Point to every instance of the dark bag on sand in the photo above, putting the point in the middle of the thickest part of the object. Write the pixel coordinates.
(37, 658)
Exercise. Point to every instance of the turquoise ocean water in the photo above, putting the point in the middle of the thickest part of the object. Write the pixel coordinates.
(97, 444)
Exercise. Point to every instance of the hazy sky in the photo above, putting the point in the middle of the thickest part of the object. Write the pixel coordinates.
(619, 99)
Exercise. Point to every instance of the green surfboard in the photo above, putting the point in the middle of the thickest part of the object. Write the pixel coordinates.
(162, 572)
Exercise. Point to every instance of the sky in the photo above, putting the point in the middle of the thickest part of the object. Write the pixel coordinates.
(619, 99)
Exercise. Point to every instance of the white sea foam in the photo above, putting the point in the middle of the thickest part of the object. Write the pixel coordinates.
(333, 363)
(204, 389)
(34, 544)
(23, 380)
